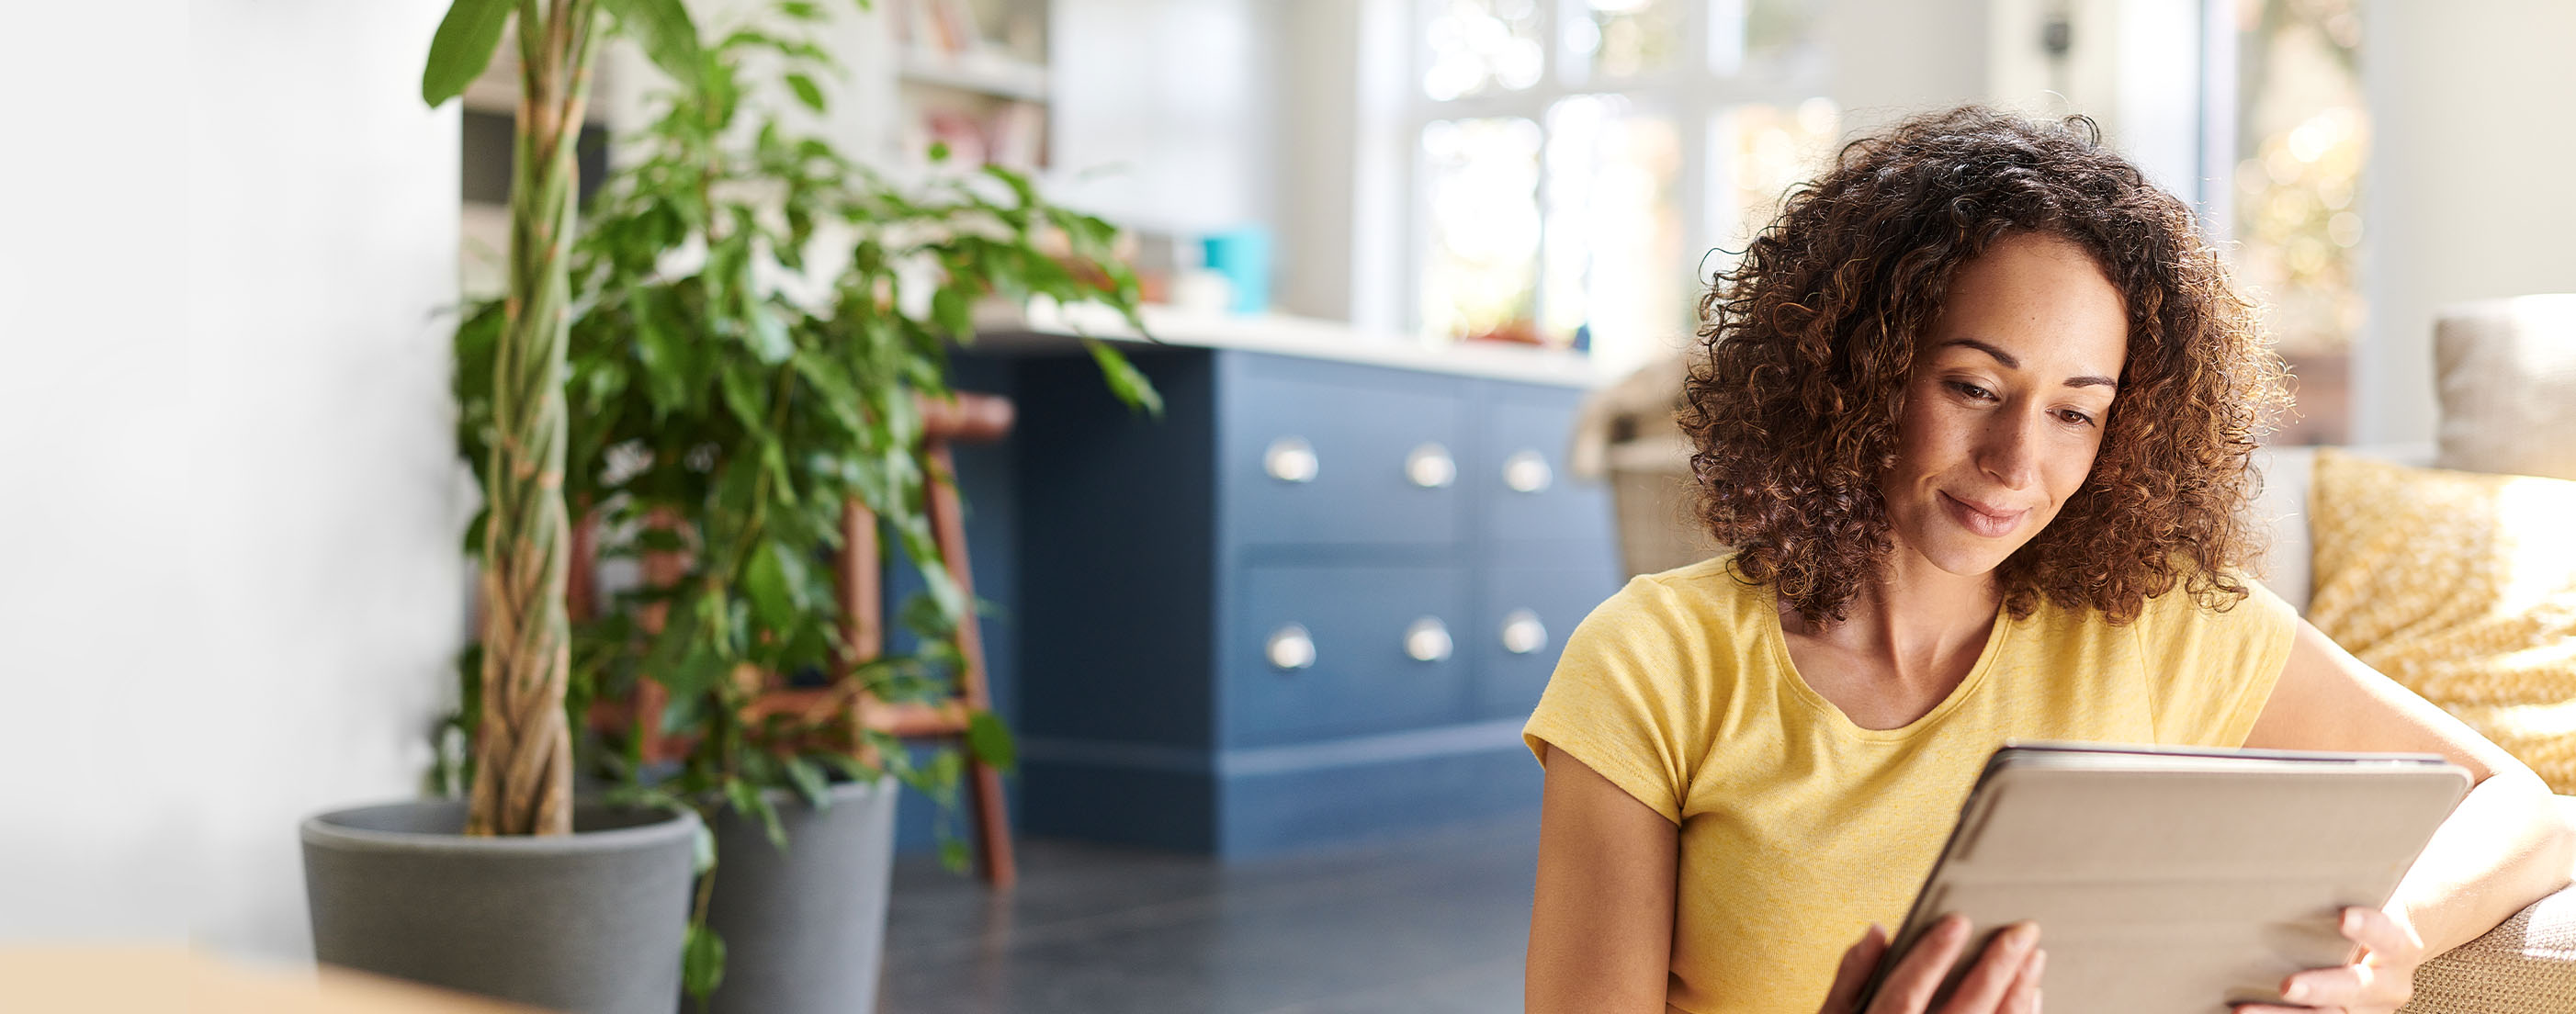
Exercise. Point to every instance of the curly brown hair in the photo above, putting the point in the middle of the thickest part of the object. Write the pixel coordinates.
(1810, 338)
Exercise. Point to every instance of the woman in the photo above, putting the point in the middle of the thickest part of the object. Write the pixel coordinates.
(1975, 414)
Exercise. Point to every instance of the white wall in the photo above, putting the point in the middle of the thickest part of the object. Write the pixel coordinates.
(1319, 72)
(230, 591)
(1891, 60)
(2466, 195)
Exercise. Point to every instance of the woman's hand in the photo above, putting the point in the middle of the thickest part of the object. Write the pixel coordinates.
(2382, 981)
(2005, 980)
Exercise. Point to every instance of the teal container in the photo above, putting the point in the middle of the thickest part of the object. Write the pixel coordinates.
(1243, 257)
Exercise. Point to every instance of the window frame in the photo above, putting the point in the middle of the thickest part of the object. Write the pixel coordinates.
(1692, 94)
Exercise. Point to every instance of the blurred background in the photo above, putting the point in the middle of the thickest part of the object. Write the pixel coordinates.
(230, 588)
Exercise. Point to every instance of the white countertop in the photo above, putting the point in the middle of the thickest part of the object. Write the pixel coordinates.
(1050, 327)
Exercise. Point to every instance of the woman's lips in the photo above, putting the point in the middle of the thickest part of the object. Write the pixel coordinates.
(1982, 522)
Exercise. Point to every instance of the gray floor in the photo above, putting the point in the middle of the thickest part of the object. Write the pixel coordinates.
(1433, 923)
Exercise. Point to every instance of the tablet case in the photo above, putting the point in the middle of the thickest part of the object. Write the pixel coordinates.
(2178, 881)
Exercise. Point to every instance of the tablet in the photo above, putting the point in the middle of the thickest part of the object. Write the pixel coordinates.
(2172, 880)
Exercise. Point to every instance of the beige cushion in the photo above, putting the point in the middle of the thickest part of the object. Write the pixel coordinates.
(2506, 373)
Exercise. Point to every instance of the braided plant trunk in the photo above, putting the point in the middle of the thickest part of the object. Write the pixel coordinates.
(523, 750)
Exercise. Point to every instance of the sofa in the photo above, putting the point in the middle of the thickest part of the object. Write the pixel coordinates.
(2528, 964)
(2505, 373)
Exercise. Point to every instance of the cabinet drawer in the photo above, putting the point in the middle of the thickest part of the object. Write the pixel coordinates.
(1329, 453)
(1327, 652)
(1523, 617)
(1518, 473)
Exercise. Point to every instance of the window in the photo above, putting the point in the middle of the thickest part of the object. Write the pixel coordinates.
(2301, 133)
(1573, 159)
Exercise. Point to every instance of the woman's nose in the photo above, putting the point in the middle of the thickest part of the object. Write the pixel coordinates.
(2010, 452)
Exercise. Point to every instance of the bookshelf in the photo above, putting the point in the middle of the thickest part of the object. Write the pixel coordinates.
(972, 73)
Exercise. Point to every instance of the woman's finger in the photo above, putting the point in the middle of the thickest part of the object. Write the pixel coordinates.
(2332, 987)
(2024, 997)
(2382, 977)
(1918, 974)
(2007, 953)
(2382, 933)
(1854, 971)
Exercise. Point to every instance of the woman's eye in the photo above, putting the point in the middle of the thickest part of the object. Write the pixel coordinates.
(2075, 417)
(1972, 391)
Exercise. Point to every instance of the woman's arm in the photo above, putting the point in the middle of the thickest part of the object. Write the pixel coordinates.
(2504, 848)
(1601, 918)
(1601, 921)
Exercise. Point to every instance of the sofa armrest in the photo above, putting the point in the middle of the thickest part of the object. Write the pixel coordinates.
(2526, 966)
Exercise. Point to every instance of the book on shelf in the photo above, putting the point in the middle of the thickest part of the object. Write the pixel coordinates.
(943, 27)
(1017, 136)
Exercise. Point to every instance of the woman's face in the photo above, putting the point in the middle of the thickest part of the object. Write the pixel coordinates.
(2005, 409)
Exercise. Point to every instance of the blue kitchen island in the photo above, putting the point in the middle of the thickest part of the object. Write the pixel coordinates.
(1312, 603)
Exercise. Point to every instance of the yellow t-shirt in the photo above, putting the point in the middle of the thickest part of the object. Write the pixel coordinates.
(1799, 828)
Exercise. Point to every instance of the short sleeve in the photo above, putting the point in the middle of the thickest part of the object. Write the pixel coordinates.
(1619, 700)
(2210, 671)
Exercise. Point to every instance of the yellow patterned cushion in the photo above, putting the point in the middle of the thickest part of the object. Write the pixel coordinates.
(2460, 585)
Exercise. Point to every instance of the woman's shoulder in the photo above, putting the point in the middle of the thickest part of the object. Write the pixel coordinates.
(2229, 598)
(2227, 615)
(1704, 588)
(1699, 603)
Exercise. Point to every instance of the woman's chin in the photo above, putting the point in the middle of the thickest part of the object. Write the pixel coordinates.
(1969, 556)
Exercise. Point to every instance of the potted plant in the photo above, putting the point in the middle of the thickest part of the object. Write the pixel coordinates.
(520, 892)
(758, 319)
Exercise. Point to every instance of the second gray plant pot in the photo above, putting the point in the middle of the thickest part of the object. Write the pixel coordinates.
(804, 930)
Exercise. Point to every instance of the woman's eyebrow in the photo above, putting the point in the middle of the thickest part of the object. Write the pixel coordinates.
(2012, 363)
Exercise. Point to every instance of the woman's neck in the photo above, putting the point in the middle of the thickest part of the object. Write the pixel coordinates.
(1916, 619)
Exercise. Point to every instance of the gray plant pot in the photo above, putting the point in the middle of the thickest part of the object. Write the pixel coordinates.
(804, 931)
(590, 923)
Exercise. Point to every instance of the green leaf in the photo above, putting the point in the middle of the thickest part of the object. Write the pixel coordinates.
(462, 47)
(850, 767)
(838, 396)
(681, 711)
(702, 962)
(658, 539)
(944, 595)
(1125, 380)
(954, 855)
(742, 395)
(939, 151)
(948, 306)
(702, 849)
(767, 335)
(663, 356)
(945, 768)
(806, 91)
(801, 10)
(766, 579)
(474, 532)
(663, 29)
(809, 782)
(1019, 183)
(991, 740)
(896, 756)
(750, 802)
